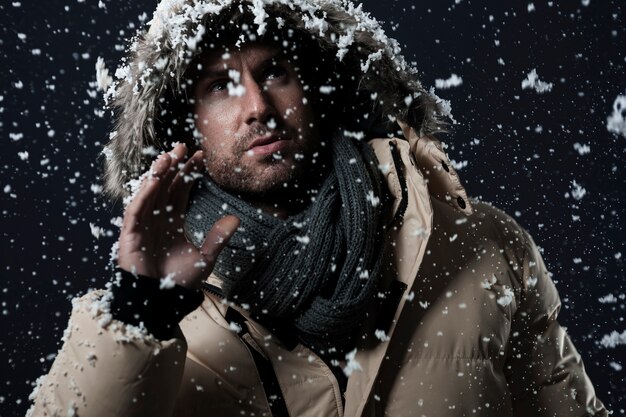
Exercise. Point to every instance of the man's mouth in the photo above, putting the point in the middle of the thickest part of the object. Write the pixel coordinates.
(266, 144)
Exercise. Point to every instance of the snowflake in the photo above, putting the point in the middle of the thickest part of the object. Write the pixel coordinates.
(533, 82)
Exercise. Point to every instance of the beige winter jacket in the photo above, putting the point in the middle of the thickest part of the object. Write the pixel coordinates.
(473, 333)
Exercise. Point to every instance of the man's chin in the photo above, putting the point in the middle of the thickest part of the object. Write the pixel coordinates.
(262, 178)
(258, 184)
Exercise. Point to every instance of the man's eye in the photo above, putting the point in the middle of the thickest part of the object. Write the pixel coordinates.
(218, 86)
(274, 72)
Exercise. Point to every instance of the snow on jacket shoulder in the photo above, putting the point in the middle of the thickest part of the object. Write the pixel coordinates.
(108, 368)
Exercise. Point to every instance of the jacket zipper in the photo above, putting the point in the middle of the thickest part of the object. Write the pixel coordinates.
(212, 289)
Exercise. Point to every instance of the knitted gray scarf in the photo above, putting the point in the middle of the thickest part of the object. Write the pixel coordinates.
(315, 270)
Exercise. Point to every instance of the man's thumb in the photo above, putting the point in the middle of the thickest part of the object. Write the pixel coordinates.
(218, 236)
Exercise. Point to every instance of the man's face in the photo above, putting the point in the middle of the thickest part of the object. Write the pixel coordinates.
(258, 129)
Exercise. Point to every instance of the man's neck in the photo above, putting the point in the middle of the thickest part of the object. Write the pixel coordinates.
(288, 201)
(271, 209)
(295, 197)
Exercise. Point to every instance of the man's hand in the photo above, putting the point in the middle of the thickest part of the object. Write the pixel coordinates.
(152, 241)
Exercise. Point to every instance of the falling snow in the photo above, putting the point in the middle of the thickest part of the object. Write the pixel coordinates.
(523, 150)
(167, 282)
(103, 79)
(583, 149)
(533, 82)
(453, 81)
(352, 365)
(613, 339)
(616, 122)
(507, 297)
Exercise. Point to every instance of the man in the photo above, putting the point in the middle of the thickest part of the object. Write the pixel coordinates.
(306, 249)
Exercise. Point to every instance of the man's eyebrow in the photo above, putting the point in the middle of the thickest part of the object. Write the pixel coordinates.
(218, 70)
(214, 71)
(276, 57)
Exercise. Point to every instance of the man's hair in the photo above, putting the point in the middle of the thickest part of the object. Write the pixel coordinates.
(331, 86)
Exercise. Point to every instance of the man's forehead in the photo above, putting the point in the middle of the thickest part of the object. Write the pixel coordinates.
(226, 56)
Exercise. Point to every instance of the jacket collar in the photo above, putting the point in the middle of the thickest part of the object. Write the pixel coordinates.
(443, 182)
(423, 168)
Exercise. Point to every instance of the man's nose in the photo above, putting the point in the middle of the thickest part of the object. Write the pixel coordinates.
(257, 103)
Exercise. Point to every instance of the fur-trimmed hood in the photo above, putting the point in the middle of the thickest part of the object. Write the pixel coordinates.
(159, 56)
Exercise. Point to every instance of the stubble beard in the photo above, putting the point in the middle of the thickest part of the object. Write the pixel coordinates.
(267, 178)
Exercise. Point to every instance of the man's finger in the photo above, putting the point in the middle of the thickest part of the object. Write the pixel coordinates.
(143, 201)
(182, 184)
(177, 156)
(218, 237)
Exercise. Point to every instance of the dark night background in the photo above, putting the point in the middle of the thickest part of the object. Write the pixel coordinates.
(518, 147)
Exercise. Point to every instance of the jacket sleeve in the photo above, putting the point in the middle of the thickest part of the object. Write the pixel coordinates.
(545, 373)
(109, 368)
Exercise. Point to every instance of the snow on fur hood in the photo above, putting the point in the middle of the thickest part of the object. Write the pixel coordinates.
(158, 58)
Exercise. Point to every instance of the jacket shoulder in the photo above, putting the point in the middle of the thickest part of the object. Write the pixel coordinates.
(487, 221)
(489, 230)
(102, 355)
(494, 221)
